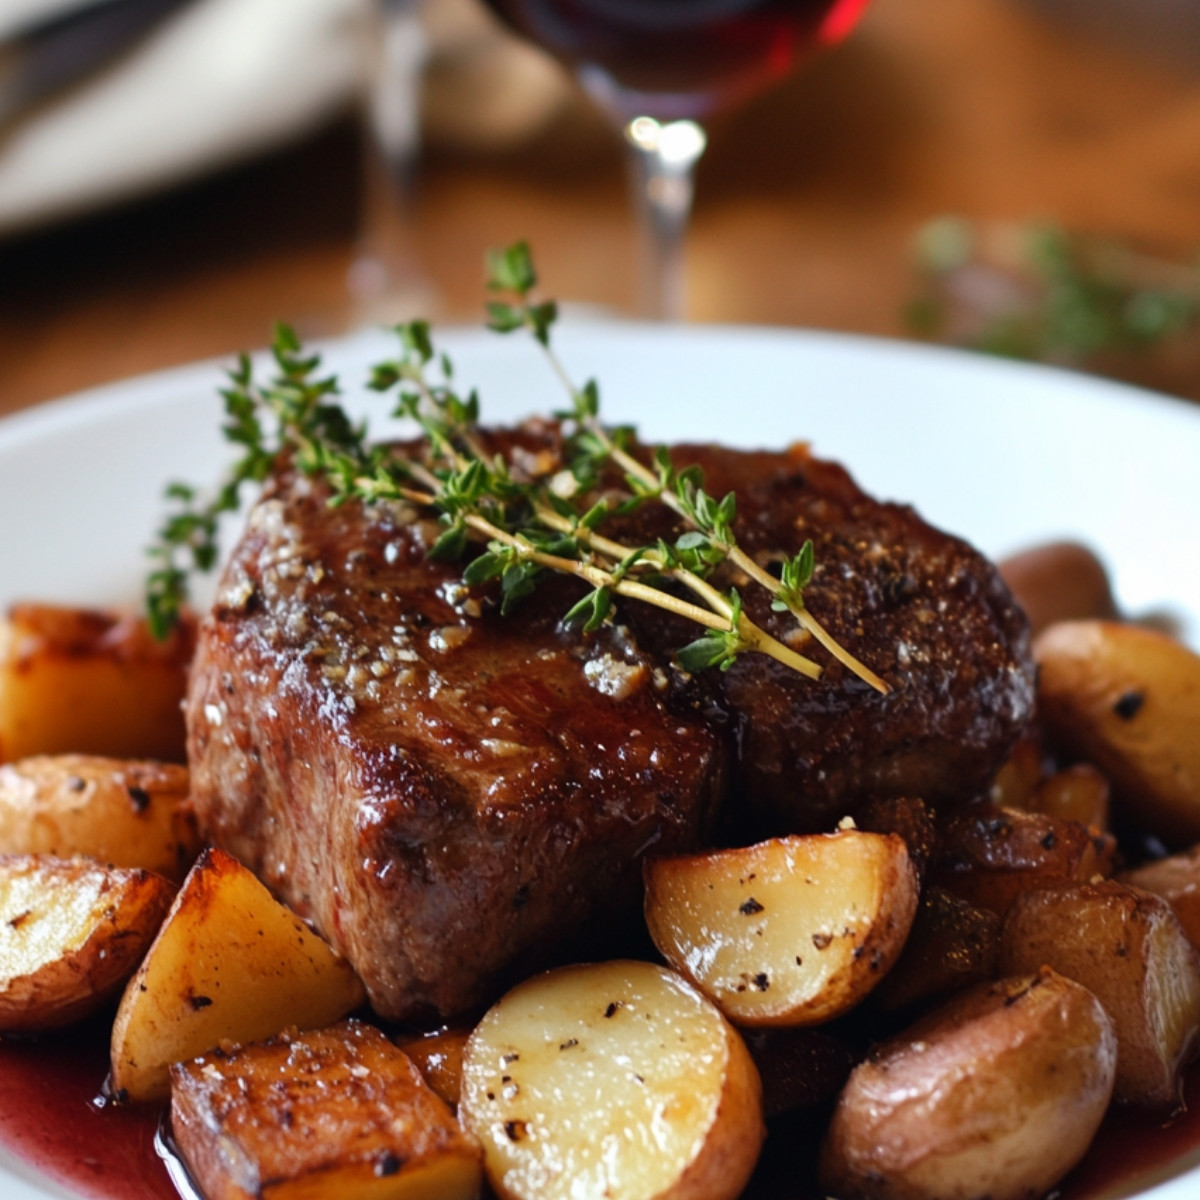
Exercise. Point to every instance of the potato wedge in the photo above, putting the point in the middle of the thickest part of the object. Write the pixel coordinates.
(1177, 880)
(1128, 699)
(1127, 947)
(617, 1080)
(120, 812)
(988, 856)
(319, 1116)
(998, 1093)
(230, 964)
(81, 681)
(792, 931)
(71, 933)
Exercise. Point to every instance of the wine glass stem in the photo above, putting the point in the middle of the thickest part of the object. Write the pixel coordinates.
(663, 159)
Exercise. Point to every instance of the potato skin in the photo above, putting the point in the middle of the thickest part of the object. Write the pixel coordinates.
(71, 933)
(1128, 948)
(1059, 581)
(988, 856)
(127, 813)
(1128, 699)
(998, 1093)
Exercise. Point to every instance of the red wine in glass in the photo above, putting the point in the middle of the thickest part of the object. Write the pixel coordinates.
(679, 58)
(659, 67)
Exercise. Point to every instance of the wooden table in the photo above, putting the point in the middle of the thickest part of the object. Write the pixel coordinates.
(807, 203)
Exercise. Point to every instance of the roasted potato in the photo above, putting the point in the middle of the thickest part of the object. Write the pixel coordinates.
(1079, 793)
(1127, 947)
(1177, 880)
(1059, 581)
(792, 931)
(997, 1093)
(439, 1057)
(1128, 699)
(81, 681)
(617, 1080)
(988, 856)
(71, 933)
(952, 945)
(230, 964)
(127, 814)
(1019, 777)
(318, 1116)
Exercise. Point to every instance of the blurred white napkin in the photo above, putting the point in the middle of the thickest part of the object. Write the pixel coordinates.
(215, 81)
(211, 83)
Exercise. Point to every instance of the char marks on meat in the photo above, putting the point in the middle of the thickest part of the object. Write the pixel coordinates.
(446, 792)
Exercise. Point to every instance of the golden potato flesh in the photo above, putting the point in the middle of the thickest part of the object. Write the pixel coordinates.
(617, 1080)
(998, 1093)
(80, 681)
(1079, 793)
(230, 964)
(439, 1057)
(1128, 699)
(792, 931)
(326, 1115)
(71, 933)
(1127, 947)
(124, 813)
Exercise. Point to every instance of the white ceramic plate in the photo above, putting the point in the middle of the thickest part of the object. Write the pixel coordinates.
(1005, 454)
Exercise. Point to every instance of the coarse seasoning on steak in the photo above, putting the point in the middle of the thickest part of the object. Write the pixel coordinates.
(449, 793)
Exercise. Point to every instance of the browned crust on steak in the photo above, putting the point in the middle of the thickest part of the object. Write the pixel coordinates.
(923, 609)
(441, 790)
(444, 791)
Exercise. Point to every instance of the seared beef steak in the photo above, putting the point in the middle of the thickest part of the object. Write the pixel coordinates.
(924, 610)
(444, 790)
(440, 789)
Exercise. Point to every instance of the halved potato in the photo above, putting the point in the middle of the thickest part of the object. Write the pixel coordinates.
(792, 931)
(230, 964)
(617, 1080)
(124, 813)
(1128, 699)
(998, 1093)
(81, 681)
(319, 1116)
(1127, 947)
(71, 933)
(1177, 880)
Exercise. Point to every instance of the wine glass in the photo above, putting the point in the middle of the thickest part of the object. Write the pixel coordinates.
(386, 281)
(659, 68)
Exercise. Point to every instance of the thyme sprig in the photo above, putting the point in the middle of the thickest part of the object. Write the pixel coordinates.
(526, 526)
(712, 538)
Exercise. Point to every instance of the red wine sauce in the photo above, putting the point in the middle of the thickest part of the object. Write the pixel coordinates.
(51, 1115)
